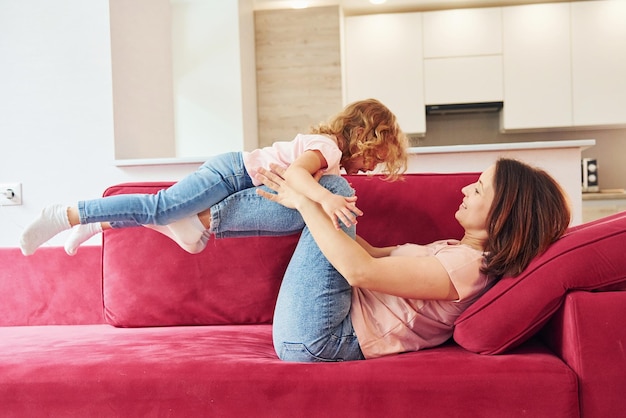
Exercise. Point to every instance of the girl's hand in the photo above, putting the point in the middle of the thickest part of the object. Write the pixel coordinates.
(338, 208)
(341, 209)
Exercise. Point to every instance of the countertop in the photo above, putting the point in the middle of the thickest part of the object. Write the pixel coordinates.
(613, 194)
(444, 149)
(510, 146)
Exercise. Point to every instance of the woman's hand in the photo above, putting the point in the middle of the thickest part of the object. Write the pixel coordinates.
(273, 179)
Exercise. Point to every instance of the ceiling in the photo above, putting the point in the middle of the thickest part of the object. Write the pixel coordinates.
(352, 7)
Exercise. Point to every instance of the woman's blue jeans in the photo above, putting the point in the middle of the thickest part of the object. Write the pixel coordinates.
(312, 315)
(219, 177)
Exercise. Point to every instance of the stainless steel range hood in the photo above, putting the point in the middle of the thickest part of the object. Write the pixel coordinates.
(463, 108)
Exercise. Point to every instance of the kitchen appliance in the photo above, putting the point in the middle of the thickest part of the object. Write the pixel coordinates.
(443, 109)
(589, 167)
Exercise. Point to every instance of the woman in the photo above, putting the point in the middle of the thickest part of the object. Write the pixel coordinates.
(342, 299)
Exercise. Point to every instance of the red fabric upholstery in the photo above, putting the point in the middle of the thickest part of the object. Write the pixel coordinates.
(177, 288)
(418, 209)
(588, 333)
(232, 371)
(588, 257)
(51, 288)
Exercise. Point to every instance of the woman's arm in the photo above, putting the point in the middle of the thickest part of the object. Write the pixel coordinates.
(410, 277)
(375, 252)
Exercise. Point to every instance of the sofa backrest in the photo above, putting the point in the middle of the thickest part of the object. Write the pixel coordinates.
(149, 281)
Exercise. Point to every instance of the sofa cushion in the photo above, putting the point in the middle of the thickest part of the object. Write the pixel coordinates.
(232, 371)
(588, 257)
(417, 209)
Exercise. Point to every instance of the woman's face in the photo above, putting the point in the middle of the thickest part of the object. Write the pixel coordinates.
(477, 200)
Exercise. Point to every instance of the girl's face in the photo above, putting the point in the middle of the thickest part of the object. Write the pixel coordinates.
(356, 164)
(477, 201)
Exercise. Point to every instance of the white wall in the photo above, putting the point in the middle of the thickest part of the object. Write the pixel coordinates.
(207, 67)
(183, 77)
(143, 94)
(56, 119)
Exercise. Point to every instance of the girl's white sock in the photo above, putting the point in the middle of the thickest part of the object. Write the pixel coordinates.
(52, 220)
(193, 248)
(81, 233)
(187, 231)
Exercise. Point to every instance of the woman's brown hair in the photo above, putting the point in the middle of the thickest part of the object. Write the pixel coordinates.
(529, 212)
(368, 128)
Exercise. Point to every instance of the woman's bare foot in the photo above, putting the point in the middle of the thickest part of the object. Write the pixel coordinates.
(205, 218)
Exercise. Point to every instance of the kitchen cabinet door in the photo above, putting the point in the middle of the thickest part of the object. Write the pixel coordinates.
(383, 60)
(462, 32)
(537, 66)
(463, 56)
(599, 62)
(463, 80)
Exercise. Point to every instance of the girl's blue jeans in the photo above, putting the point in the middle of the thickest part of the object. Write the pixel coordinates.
(219, 177)
(312, 315)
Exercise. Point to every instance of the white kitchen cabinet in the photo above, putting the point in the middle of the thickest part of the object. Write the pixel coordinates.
(537, 66)
(462, 56)
(463, 80)
(462, 32)
(599, 62)
(383, 59)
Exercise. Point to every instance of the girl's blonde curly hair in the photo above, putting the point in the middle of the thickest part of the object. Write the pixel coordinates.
(369, 129)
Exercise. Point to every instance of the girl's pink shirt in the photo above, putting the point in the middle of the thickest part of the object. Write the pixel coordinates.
(283, 153)
(386, 324)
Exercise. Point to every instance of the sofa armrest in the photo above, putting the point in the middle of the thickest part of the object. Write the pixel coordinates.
(588, 333)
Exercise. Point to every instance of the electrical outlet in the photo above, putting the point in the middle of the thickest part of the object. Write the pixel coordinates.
(10, 194)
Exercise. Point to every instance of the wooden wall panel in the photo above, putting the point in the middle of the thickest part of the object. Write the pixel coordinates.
(298, 69)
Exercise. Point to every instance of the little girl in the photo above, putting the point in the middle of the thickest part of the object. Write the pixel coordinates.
(361, 136)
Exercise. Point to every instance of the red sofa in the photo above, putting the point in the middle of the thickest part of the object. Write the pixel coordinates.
(138, 327)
